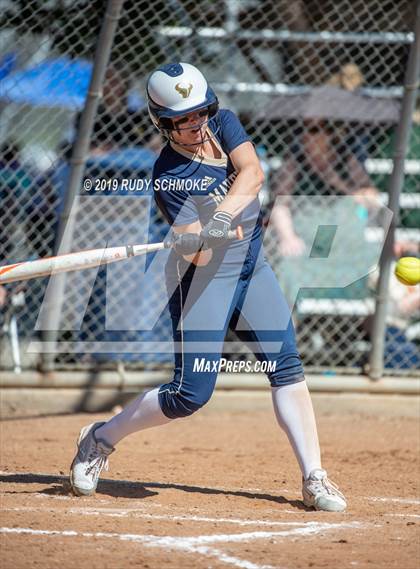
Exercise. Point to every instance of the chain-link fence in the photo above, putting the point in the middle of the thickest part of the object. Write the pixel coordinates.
(318, 86)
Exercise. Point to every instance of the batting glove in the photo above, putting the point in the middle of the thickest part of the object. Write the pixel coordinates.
(216, 232)
(185, 243)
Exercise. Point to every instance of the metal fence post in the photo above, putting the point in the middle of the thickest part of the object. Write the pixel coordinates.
(77, 165)
(395, 186)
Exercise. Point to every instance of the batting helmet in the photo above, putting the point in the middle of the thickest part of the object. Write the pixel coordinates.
(176, 89)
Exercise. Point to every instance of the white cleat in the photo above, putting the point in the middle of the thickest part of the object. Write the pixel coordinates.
(322, 494)
(91, 458)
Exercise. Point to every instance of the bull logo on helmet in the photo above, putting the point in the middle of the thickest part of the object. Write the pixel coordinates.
(184, 90)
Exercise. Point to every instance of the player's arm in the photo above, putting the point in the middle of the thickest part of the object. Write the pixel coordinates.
(244, 190)
(281, 218)
(247, 183)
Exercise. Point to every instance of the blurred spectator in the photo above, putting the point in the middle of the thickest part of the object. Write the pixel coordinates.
(116, 125)
(322, 163)
(325, 159)
(28, 216)
(15, 183)
(403, 309)
(349, 77)
(13, 175)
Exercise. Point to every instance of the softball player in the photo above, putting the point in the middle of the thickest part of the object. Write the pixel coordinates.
(206, 183)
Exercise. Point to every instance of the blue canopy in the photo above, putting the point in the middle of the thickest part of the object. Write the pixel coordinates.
(60, 82)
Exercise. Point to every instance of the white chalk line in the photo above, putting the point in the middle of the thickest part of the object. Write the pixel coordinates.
(197, 544)
(403, 515)
(225, 558)
(150, 541)
(398, 500)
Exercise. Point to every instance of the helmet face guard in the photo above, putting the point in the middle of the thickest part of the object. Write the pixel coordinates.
(210, 111)
(178, 89)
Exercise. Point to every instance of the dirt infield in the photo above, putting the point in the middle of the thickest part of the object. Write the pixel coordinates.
(220, 489)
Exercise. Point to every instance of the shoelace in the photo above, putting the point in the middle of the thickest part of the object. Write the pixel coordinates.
(97, 461)
(330, 487)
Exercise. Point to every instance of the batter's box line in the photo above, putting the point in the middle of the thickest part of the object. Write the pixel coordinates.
(200, 544)
(397, 500)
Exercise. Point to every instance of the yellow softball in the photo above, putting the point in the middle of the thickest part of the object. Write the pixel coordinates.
(407, 271)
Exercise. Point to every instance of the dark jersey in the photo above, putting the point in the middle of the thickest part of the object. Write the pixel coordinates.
(188, 188)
